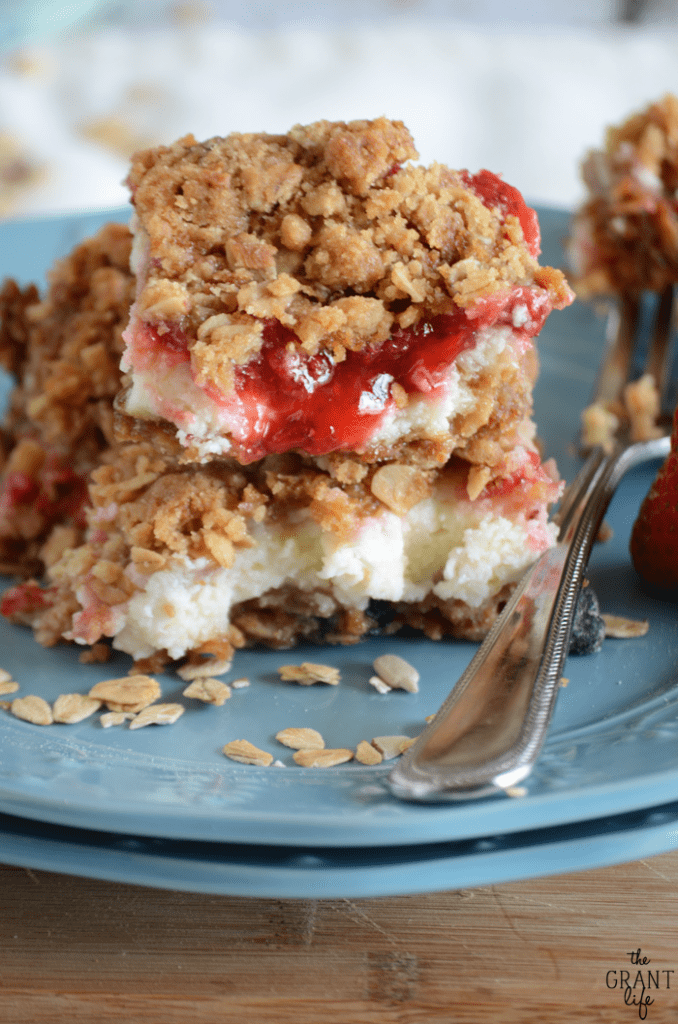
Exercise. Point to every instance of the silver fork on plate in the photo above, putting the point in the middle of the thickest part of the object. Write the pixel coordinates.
(488, 733)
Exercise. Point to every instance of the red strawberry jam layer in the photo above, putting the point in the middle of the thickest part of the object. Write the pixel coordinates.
(57, 494)
(285, 399)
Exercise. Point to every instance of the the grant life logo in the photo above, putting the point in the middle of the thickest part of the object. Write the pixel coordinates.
(637, 985)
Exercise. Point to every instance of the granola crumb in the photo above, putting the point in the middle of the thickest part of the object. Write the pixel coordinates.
(205, 667)
(71, 708)
(599, 426)
(110, 718)
(246, 753)
(239, 684)
(379, 685)
(98, 654)
(397, 673)
(32, 709)
(642, 403)
(392, 746)
(8, 686)
(367, 754)
(130, 693)
(308, 673)
(301, 738)
(621, 628)
(210, 691)
(5, 676)
(322, 758)
(157, 714)
(153, 665)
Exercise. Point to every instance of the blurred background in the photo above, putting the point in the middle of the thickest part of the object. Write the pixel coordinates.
(523, 88)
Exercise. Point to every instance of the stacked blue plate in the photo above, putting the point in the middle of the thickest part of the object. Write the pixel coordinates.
(163, 807)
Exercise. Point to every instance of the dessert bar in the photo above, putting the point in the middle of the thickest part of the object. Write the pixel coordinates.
(322, 421)
(625, 235)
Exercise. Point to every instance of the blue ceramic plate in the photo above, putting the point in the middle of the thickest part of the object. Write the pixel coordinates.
(613, 746)
(304, 872)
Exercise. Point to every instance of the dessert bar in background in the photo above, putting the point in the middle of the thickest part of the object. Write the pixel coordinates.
(625, 242)
(625, 236)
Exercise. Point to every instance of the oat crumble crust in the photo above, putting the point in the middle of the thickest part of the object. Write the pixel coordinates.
(144, 513)
(628, 227)
(322, 229)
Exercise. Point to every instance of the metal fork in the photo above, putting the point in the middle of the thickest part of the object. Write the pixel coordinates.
(488, 733)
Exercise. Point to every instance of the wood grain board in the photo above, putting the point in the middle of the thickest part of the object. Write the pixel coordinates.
(544, 950)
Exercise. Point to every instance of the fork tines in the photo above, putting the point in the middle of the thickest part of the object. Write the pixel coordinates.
(640, 329)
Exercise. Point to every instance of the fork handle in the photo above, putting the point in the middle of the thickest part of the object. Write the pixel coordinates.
(488, 734)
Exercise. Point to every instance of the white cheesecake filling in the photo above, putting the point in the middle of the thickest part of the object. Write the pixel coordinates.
(465, 551)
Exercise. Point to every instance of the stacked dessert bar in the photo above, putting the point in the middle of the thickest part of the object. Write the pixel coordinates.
(322, 415)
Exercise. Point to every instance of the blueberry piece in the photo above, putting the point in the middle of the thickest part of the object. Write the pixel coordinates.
(381, 612)
(588, 628)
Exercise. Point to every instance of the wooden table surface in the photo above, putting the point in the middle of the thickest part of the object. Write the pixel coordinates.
(547, 950)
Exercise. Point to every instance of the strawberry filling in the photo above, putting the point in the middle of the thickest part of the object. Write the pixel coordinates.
(58, 494)
(284, 399)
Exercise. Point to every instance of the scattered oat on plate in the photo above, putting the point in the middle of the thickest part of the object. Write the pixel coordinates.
(300, 738)
(308, 673)
(621, 628)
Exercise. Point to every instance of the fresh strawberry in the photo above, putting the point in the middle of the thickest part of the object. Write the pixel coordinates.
(654, 540)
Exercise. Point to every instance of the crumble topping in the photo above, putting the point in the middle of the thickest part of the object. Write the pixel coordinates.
(65, 352)
(323, 230)
(68, 364)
